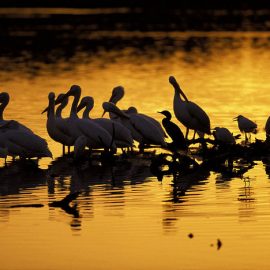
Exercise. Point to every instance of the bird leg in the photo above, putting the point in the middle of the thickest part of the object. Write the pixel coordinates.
(63, 149)
(69, 150)
(246, 138)
(187, 133)
(194, 135)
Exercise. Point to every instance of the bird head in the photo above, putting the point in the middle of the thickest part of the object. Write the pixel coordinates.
(51, 98)
(4, 97)
(166, 113)
(86, 101)
(110, 107)
(117, 94)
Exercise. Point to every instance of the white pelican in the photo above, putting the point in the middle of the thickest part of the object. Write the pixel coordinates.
(121, 135)
(245, 125)
(223, 135)
(267, 127)
(142, 130)
(97, 137)
(4, 100)
(56, 126)
(117, 94)
(189, 113)
(22, 143)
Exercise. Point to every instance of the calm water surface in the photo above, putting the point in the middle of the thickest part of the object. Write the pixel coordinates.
(126, 218)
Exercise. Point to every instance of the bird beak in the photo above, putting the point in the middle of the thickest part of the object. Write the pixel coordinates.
(235, 118)
(103, 113)
(45, 110)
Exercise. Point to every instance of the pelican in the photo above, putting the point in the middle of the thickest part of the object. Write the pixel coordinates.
(267, 127)
(97, 137)
(121, 135)
(56, 126)
(223, 135)
(245, 125)
(187, 112)
(4, 100)
(22, 143)
(117, 94)
(179, 142)
(142, 130)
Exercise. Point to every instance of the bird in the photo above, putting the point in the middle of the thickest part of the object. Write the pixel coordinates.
(245, 125)
(142, 130)
(223, 135)
(267, 127)
(4, 100)
(22, 143)
(121, 135)
(97, 137)
(178, 139)
(189, 113)
(117, 94)
(57, 127)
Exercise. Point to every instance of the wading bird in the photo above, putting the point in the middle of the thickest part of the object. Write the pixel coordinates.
(189, 113)
(97, 137)
(142, 130)
(178, 140)
(246, 126)
(223, 135)
(117, 94)
(22, 143)
(121, 135)
(4, 100)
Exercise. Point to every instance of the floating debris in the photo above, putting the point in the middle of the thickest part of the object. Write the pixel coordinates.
(219, 244)
(190, 235)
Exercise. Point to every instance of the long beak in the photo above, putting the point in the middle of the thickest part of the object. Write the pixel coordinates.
(103, 113)
(45, 110)
(235, 118)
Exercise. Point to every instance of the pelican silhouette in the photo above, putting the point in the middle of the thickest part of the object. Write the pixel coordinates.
(189, 113)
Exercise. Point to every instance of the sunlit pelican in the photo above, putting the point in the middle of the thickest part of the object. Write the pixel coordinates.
(22, 143)
(178, 140)
(121, 135)
(267, 127)
(117, 94)
(4, 100)
(142, 130)
(97, 137)
(246, 126)
(223, 135)
(57, 127)
(189, 113)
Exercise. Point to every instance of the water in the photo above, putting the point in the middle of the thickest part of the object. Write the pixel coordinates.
(126, 218)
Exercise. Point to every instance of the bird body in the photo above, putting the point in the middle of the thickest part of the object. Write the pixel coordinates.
(245, 125)
(223, 135)
(142, 130)
(179, 142)
(22, 143)
(120, 134)
(187, 112)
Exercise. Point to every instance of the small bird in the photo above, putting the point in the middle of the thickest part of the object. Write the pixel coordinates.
(223, 135)
(267, 127)
(246, 126)
(189, 113)
(178, 140)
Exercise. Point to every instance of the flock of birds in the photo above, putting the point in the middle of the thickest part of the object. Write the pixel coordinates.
(120, 131)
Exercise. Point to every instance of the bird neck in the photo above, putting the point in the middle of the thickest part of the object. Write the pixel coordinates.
(50, 113)
(59, 110)
(2, 108)
(87, 110)
(73, 111)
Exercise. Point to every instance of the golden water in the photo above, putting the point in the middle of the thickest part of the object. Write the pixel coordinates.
(127, 218)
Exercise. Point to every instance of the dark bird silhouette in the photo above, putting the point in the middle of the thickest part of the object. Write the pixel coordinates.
(178, 140)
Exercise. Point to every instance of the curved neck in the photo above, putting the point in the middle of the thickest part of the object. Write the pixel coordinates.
(179, 91)
(87, 111)
(59, 110)
(2, 108)
(50, 113)
(73, 111)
